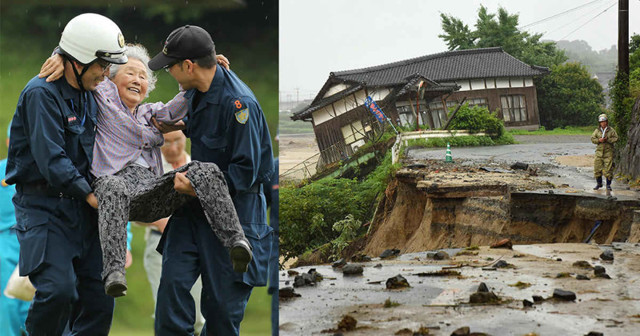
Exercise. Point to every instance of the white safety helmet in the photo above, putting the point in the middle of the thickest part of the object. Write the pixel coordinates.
(602, 117)
(89, 36)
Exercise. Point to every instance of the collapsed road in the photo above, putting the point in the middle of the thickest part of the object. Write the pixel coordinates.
(476, 201)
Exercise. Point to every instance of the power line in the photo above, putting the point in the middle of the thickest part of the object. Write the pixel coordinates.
(559, 14)
(573, 31)
(573, 21)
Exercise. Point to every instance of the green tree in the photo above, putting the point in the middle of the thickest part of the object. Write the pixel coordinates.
(572, 97)
(500, 30)
(568, 97)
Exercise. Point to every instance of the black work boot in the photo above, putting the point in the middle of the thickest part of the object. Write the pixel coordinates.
(609, 184)
(599, 185)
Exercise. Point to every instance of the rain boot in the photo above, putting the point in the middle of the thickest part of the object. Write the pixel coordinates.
(609, 184)
(599, 185)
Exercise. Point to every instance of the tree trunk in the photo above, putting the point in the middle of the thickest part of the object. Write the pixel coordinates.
(629, 165)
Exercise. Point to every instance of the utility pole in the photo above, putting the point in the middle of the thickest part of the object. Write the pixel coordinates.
(623, 37)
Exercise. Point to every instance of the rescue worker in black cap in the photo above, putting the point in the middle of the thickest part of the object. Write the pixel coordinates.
(227, 127)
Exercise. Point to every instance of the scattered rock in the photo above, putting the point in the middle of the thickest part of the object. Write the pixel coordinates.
(520, 165)
(607, 255)
(348, 323)
(482, 288)
(526, 303)
(564, 295)
(582, 264)
(352, 269)
(483, 297)
(464, 331)
(537, 298)
(603, 276)
(599, 270)
(287, 293)
(563, 275)
(558, 259)
(304, 279)
(317, 277)
(441, 255)
(360, 258)
(378, 266)
(389, 253)
(405, 331)
(501, 264)
(339, 263)
(582, 277)
(292, 273)
(505, 243)
(397, 281)
(594, 333)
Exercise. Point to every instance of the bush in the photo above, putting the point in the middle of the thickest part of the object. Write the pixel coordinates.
(477, 119)
(462, 141)
(568, 96)
(308, 213)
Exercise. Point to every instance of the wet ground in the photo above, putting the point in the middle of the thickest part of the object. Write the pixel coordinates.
(611, 306)
(441, 303)
(538, 151)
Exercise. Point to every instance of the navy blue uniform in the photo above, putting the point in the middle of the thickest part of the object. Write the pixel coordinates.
(227, 127)
(50, 152)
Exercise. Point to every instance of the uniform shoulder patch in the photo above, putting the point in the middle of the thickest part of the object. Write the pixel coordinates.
(242, 116)
(241, 110)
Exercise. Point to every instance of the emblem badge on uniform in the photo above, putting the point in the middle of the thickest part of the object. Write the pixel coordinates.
(242, 116)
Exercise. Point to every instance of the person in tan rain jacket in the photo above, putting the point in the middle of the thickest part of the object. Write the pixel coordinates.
(604, 137)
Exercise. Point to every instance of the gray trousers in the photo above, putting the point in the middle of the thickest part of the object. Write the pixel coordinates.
(136, 194)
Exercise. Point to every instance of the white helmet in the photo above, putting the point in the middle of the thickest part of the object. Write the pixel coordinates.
(602, 117)
(89, 36)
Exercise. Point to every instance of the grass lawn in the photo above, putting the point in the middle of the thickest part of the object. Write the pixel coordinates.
(568, 130)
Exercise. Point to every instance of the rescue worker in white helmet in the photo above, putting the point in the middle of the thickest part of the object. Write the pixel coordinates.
(604, 137)
(50, 154)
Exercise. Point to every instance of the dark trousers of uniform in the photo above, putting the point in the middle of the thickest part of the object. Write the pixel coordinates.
(137, 194)
(190, 249)
(60, 251)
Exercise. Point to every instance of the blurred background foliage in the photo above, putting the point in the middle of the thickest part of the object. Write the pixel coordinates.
(247, 33)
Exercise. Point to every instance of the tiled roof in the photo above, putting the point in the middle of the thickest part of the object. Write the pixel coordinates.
(324, 102)
(445, 66)
(437, 68)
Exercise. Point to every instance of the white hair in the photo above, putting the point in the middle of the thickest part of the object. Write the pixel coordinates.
(139, 52)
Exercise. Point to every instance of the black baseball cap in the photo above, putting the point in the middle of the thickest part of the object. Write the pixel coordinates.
(187, 42)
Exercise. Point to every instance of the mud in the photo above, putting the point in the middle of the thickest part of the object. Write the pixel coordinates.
(546, 211)
(427, 209)
(441, 304)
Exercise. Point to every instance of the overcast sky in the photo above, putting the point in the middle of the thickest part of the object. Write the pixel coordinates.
(320, 36)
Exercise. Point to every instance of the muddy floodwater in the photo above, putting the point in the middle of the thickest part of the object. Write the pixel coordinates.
(546, 210)
(610, 306)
